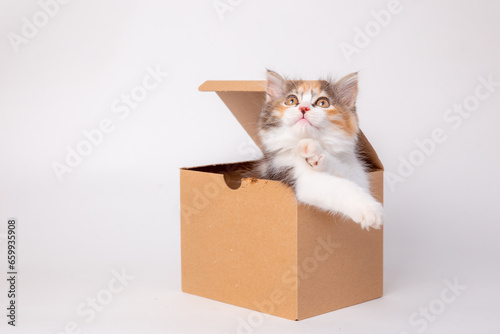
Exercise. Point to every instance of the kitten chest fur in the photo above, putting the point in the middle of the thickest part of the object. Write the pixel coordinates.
(281, 154)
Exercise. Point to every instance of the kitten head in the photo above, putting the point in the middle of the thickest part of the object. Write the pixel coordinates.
(311, 108)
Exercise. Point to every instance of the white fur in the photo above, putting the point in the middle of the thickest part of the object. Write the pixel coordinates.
(335, 184)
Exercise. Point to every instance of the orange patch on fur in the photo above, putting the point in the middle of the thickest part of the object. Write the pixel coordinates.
(307, 86)
(344, 119)
(280, 109)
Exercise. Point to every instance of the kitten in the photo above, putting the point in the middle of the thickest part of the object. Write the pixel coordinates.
(309, 133)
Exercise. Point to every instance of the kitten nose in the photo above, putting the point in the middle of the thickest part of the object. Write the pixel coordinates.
(304, 109)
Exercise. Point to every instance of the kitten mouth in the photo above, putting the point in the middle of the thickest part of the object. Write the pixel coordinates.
(304, 121)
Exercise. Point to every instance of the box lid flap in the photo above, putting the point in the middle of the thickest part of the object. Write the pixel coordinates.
(245, 98)
(234, 86)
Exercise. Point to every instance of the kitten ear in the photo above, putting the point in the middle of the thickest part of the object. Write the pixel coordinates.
(275, 85)
(346, 90)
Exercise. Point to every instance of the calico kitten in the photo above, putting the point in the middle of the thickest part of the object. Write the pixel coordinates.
(309, 132)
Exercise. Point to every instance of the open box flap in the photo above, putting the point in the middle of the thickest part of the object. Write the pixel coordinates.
(245, 99)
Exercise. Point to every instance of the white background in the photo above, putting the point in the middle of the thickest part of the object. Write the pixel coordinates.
(119, 209)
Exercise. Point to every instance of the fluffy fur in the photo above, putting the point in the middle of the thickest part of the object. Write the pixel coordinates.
(309, 132)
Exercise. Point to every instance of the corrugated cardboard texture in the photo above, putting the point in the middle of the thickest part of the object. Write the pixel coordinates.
(255, 247)
(237, 244)
(339, 264)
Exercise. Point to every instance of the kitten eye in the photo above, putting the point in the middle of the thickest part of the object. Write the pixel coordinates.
(291, 100)
(323, 102)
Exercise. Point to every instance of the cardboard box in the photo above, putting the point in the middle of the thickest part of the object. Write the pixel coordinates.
(250, 243)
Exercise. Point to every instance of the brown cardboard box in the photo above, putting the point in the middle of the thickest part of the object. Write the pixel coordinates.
(249, 243)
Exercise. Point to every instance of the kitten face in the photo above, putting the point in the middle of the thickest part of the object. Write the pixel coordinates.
(311, 107)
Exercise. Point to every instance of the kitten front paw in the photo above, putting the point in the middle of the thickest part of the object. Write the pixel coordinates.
(370, 214)
(310, 150)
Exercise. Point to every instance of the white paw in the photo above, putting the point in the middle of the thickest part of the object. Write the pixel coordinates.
(370, 214)
(310, 150)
